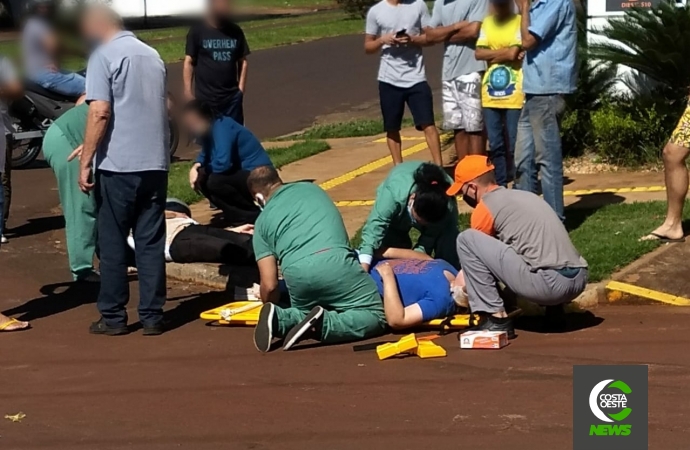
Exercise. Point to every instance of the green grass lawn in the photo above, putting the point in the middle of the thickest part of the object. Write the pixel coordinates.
(351, 128)
(608, 237)
(261, 34)
(178, 180)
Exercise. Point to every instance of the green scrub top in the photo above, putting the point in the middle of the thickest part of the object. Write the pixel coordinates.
(302, 228)
(389, 222)
(299, 220)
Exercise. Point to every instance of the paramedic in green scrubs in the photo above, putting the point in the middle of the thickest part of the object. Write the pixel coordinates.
(64, 136)
(301, 231)
(412, 196)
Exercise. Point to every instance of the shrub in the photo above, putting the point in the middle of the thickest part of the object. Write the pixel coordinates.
(628, 138)
(356, 8)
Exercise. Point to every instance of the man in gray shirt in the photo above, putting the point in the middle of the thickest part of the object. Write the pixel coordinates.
(127, 131)
(517, 239)
(457, 23)
(396, 28)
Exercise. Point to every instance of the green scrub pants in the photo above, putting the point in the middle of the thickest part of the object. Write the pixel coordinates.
(335, 281)
(78, 208)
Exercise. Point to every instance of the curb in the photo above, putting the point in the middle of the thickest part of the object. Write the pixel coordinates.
(224, 278)
(219, 277)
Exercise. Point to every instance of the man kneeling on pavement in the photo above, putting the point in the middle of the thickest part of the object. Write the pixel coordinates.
(333, 300)
(515, 239)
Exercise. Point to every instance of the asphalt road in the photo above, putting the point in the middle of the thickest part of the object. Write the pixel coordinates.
(289, 87)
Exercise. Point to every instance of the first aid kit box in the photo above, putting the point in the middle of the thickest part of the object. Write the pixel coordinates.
(484, 339)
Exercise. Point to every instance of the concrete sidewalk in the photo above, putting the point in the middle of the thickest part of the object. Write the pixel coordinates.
(351, 171)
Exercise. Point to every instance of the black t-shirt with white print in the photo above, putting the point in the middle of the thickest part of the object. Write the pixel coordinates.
(216, 54)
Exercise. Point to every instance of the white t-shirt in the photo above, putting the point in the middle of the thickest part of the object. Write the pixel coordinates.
(172, 227)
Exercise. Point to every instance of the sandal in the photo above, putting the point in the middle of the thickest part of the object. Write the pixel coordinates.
(4, 326)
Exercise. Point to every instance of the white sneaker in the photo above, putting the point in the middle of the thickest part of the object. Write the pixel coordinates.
(4, 240)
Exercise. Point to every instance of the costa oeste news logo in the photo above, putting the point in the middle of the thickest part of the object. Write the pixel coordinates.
(610, 408)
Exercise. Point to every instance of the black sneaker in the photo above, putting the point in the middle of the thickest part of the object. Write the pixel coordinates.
(309, 328)
(491, 323)
(155, 330)
(100, 327)
(263, 333)
(555, 318)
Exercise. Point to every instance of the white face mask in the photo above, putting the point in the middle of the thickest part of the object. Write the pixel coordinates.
(260, 201)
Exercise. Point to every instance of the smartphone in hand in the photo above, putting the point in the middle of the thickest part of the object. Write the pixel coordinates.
(401, 33)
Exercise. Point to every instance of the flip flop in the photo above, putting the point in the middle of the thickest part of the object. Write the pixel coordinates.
(4, 327)
(661, 238)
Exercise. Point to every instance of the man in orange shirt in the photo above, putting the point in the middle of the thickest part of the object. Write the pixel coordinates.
(517, 239)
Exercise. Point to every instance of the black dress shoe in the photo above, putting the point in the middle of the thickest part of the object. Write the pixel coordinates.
(491, 323)
(101, 327)
(155, 330)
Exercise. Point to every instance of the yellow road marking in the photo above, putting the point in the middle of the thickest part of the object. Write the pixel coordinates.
(648, 293)
(368, 168)
(403, 138)
(578, 193)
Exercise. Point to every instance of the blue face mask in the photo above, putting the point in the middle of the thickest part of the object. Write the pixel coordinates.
(409, 212)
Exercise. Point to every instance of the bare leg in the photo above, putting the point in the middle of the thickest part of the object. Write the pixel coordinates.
(434, 143)
(395, 146)
(477, 143)
(461, 144)
(676, 176)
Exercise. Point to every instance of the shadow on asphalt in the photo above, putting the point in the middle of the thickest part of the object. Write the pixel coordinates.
(57, 298)
(573, 322)
(38, 226)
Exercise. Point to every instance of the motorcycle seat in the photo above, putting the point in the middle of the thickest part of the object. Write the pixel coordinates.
(40, 90)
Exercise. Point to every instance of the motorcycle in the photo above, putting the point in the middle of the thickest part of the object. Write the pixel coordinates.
(36, 112)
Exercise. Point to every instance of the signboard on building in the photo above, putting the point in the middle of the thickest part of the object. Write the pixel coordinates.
(623, 5)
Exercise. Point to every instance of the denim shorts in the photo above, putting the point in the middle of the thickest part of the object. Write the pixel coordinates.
(65, 83)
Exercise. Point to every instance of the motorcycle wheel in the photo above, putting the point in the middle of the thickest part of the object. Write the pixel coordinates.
(25, 152)
(174, 138)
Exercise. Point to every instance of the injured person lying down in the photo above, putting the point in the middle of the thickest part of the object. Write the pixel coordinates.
(417, 291)
(188, 242)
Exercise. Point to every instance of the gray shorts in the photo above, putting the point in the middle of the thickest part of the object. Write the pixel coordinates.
(462, 103)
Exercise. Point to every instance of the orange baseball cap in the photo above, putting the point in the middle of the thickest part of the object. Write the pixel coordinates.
(468, 169)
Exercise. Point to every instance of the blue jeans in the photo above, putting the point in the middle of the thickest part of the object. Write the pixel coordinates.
(65, 83)
(538, 150)
(501, 127)
(136, 202)
(235, 109)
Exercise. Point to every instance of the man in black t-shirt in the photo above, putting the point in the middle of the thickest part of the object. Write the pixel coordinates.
(215, 62)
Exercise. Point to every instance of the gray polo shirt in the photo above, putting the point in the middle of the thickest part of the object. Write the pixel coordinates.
(527, 223)
(401, 66)
(131, 76)
(458, 59)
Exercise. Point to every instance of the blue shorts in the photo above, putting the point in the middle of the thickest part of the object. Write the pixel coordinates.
(65, 83)
(418, 98)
